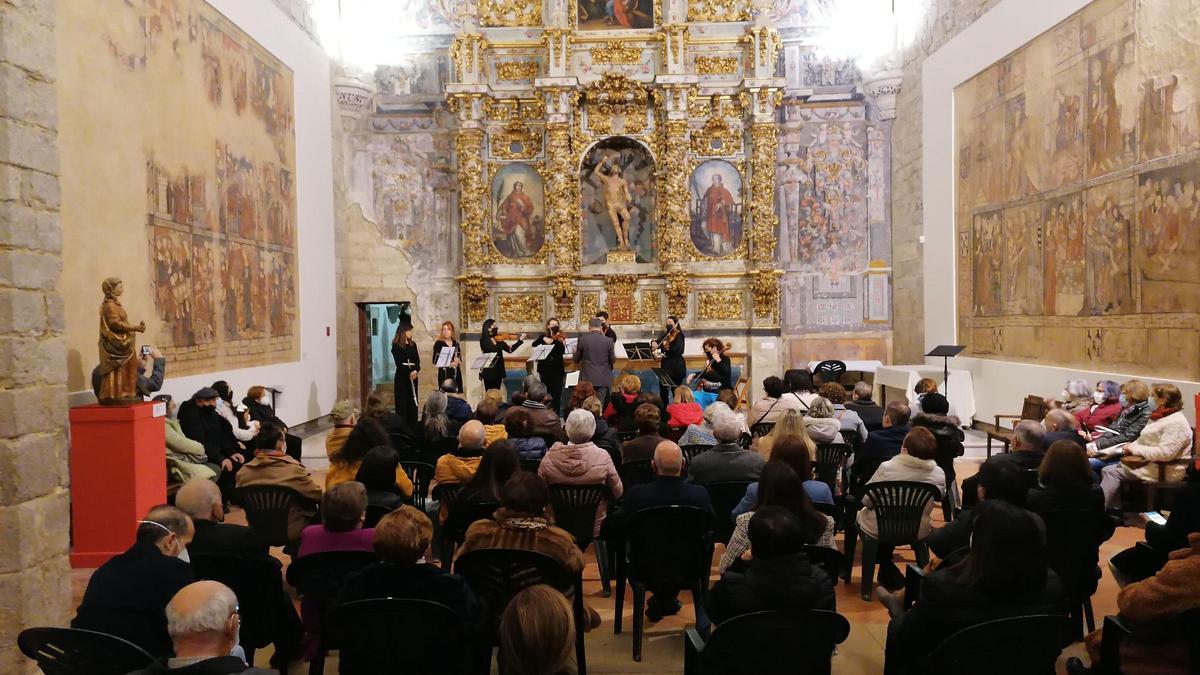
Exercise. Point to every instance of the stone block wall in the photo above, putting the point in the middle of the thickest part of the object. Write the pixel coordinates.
(944, 19)
(35, 577)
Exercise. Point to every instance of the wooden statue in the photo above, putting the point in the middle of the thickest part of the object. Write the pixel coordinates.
(118, 367)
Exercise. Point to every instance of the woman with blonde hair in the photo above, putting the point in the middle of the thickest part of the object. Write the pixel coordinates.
(823, 427)
(621, 406)
(684, 410)
(537, 633)
(791, 423)
(448, 339)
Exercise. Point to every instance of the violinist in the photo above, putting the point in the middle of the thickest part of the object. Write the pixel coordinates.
(491, 341)
(717, 373)
(670, 344)
(608, 331)
(449, 340)
(408, 367)
(551, 369)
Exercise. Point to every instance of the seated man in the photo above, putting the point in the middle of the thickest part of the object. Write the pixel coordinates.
(272, 466)
(154, 363)
(200, 422)
(458, 466)
(344, 420)
(128, 595)
(1060, 425)
(868, 411)
(401, 538)
(884, 443)
(457, 408)
(203, 622)
(546, 422)
(775, 575)
(726, 461)
(1026, 454)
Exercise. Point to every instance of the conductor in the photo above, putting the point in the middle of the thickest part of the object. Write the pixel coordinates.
(596, 355)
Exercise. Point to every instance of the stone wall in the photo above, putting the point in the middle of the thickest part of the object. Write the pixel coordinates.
(35, 578)
(944, 19)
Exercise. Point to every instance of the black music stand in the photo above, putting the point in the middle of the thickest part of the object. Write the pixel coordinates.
(639, 351)
(946, 351)
(664, 380)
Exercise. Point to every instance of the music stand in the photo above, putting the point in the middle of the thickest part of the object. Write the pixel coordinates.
(540, 353)
(639, 351)
(664, 380)
(444, 357)
(946, 351)
(483, 361)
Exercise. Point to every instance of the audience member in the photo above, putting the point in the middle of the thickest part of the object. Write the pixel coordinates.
(1102, 409)
(726, 461)
(647, 418)
(730, 399)
(582, 391)
(518, 425)
(606, 437)
(790, 423)
(1145, 560)
(154, 363)
(1135, 413)
(244, 429)
(822, 426)
(1006, 482)
(935, 416)
(537, 634)
(258, 404)
(379, 472)
(1075, 397)
(344, 420)
(128, 595)
(186, 459)
(1025, 453)
(869, 411)
(379, 410)
(885, 443)
(343, 510)
(684, 411)
(701, 434)
(923, 387)
(776, 575)
(652, 398)
(438, 430)
(546, 422)
(488, 414)
(1005, 574)
(580, 462)
(523, 523)
(835, 393)
(771, 407)
(199, 420)
(203, 622)
(458, 466)
(1060, 426)
(797, 452)
(365, 436)
(272, 466)
(782, 487)
(621, 405)
(800, 387)
(498, 464)
(916, 462)
(457, 408)
(401, 539)
(1162, 450)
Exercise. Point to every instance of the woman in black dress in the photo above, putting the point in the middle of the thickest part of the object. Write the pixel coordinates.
(493, 375)
(408, 365)
(449, 340)
(716, 375)
(671, 345)
(551, 369)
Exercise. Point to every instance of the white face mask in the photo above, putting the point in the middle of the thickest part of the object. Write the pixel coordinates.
(1098, 397)
(183, 555)
(264, 400)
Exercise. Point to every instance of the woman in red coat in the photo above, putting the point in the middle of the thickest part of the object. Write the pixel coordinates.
(1105, 407)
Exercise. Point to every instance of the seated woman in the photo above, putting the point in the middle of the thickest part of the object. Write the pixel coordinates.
(580, 462)
(1162, 450)
(646, 417)
(1144, 560)
(440, 433)
(488, 413)
(701, 434)
(537, 633)
(1135, 413)
(1005, 574)
(345, 463)
(343, 510)
(258, 404)
(186, 459)
(1101, 410)
(797, 452)
(579, 394)
(684, 411)
(622, 403)
(1075, 397)
(823, 427)
(783, 487)
(791, 423)
(835, 393)
(518, 424)
(377, 473)
(499, 462)
(605, 437)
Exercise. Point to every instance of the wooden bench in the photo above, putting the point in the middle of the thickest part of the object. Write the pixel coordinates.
(1034, 408)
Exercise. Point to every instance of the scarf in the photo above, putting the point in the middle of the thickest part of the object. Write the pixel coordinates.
(525, 523)
(1160, 413)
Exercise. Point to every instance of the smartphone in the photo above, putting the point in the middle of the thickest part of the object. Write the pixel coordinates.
(145, 351)
(1155, 517)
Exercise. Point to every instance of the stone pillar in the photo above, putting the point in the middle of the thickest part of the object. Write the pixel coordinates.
(35, 577)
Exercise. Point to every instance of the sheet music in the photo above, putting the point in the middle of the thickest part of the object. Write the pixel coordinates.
(540, 352)
(572, 379)
(569, 347)
(445, 357)
(483, 361)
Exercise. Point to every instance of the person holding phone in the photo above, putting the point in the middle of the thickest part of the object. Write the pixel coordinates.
(152, 362)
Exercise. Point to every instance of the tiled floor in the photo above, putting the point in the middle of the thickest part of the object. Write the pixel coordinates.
(862, 653)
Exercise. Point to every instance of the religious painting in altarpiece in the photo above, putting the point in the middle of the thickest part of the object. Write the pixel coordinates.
(1078, 194)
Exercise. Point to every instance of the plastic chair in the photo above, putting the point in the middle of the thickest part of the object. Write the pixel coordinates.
(531, 465)
(830, 560)
(664, 545)
(376, 635)
(767, 643)
(829, 371)
(267, 510)
(761, 429)
(1073, 538)
(421, 474)
(690, 452)
(830, 462)
(635, 473)
(374, 513)
(258, 588)
(458, 519)
(575, 508)
(1022, 644)
(1184, 627)
(899, 507)
(71, 651)
(318, 578)
(498, 574)
(725, 497)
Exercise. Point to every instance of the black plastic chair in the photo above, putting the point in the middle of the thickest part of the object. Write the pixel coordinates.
(268, 508)
(899, 507)
(376, 635)
(374, 513)
(1183, 627)
(635, 473)
(459, 518)
(421, 475)
(664, 545)
(626, 436)
(830, 371)
(71, 651)
(318, 577)
(575, 508)
(1073, 538)
(761, 429)
(830, 560)
(1029, 645)
(725, 497)
(531, 465)
(690, 452)
(497, 575)
(830, 462)
(401, 443)
(767, 643)
(258, 588)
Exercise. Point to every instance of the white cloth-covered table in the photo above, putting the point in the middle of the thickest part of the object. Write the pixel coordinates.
(961, 390)
(852, 366)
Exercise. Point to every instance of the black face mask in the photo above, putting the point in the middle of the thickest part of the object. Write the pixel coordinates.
(670, 327)
(554, 330)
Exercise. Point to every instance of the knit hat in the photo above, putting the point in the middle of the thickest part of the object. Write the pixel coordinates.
(206, 393)
(342, 410)
(935, 404)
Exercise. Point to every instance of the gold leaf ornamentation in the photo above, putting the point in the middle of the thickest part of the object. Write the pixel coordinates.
(718, 10)
(618, 291)
(720, 305)
(589, 304)
(716, 65)
(563, 293)
(717, 138)
(516, 141)
(474, 298)
(521, 307)
(510, 13)
(616, 96)
(765, 289)
(648, 306)
(510, 71)
(764, 143)
(679, 287)
(614, 52)
(468, 149)
(562, 201)
(674, 225)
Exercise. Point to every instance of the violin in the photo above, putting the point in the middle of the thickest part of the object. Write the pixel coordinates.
(665, 340)
(505, 337)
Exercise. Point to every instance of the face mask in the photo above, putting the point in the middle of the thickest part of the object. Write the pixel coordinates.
(183, 555)
(1098, 397)
(554, 330)
(1124, 402)
(1153, 403)
(264, 400)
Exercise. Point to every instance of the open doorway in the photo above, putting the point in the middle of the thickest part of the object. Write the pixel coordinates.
(377, 324)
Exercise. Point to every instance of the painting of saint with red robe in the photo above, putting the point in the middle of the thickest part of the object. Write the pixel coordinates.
(614, 14)
(716, 208)
(518, 224)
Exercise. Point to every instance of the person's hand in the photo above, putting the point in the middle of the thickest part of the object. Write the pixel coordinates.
(238, 457)
(227, 465)
(1125, 451)
(1092, 449)
(455, 363)
(413, 375)
(546, 339)
(154, 353)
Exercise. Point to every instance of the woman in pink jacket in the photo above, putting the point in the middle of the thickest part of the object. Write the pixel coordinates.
(581, 462)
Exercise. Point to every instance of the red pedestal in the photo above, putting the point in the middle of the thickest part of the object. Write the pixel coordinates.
(118, 471)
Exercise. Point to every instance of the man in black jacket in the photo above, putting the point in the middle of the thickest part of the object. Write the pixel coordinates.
(882, 445)
(1026, 455)
(868, 410)
(201, 500)
(777, 576)
(200, 422)
(127, 596)
(1061, 426)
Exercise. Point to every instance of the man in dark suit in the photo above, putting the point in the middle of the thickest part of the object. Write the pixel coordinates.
(596, 355)
(868, 411)
(669, 488)
(1060, 426)
(127, 597)
(726, 461)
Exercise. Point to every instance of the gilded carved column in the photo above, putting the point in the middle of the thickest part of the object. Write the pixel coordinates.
(763, 144)
(562, 215)
(466, 103)
(673, 235)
